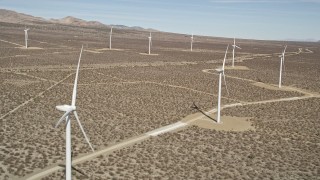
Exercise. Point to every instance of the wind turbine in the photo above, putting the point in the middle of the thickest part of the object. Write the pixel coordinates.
(282, 64)
(150, 42)
(68, 109)
(234, 47)
(26, 37)
(221, 73)
(110, 37)
(191, 41)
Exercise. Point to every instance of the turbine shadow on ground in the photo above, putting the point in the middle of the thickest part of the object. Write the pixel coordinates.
(194, 106)
(73, 168)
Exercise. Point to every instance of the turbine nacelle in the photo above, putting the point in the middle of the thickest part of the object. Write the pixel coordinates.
(235, 46)
(66, 108)
(220, 70)
(282, 54)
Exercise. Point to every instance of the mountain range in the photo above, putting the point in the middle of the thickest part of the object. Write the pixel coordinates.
(10, 16)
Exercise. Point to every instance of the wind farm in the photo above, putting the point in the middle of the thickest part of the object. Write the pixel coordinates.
(161, 108)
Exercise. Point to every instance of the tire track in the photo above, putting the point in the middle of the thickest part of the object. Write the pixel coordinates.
(31, 99)
(169, 128)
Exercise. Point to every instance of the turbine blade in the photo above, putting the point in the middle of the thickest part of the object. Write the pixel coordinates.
(225, 55)
(225, 83)
(238, 47)
(62, 118)
(74, 93)
(84, 134)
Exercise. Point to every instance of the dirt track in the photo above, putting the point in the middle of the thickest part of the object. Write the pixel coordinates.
(155, 132)
(31, 99)
(173, 127)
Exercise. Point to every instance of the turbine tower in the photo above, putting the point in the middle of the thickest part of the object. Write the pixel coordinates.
(191, 41)
(281, 64)
(221, 73)
(26, 37)
(110, 37)
(234, 47)
(150, 43)
(68, 109)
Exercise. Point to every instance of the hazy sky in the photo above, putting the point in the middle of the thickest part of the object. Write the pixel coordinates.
(258, 19)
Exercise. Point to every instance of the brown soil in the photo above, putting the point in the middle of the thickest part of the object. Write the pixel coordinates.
(31, 48)
(149, 54)
(19, 82)
(272, 87)
(237, 67)
(107, 49)
(228, 123)
(96, 52)
(123, 94)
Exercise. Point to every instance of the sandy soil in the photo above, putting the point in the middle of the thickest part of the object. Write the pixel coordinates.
(123, 95)
(228, 123)
(19, 83)
(30, 48)
(237, 67)
(149, 54)
(91, 51)
(271, 86)
(107, 49)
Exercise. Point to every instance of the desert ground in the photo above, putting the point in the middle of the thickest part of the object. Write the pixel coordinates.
(138, 109)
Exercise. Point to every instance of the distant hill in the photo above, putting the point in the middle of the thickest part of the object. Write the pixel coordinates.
(302, 40)
(69, 20)
(18, 18)
(10, 16)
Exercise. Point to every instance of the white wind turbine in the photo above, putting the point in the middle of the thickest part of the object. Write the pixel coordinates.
(234, 47)
(110, 37)
(68, 109)
(191, 41)
(281, 64)
(150, 43)
(26, 37)
(221, 73)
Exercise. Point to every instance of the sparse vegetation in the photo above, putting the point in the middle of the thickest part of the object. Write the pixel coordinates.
(123, 94)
